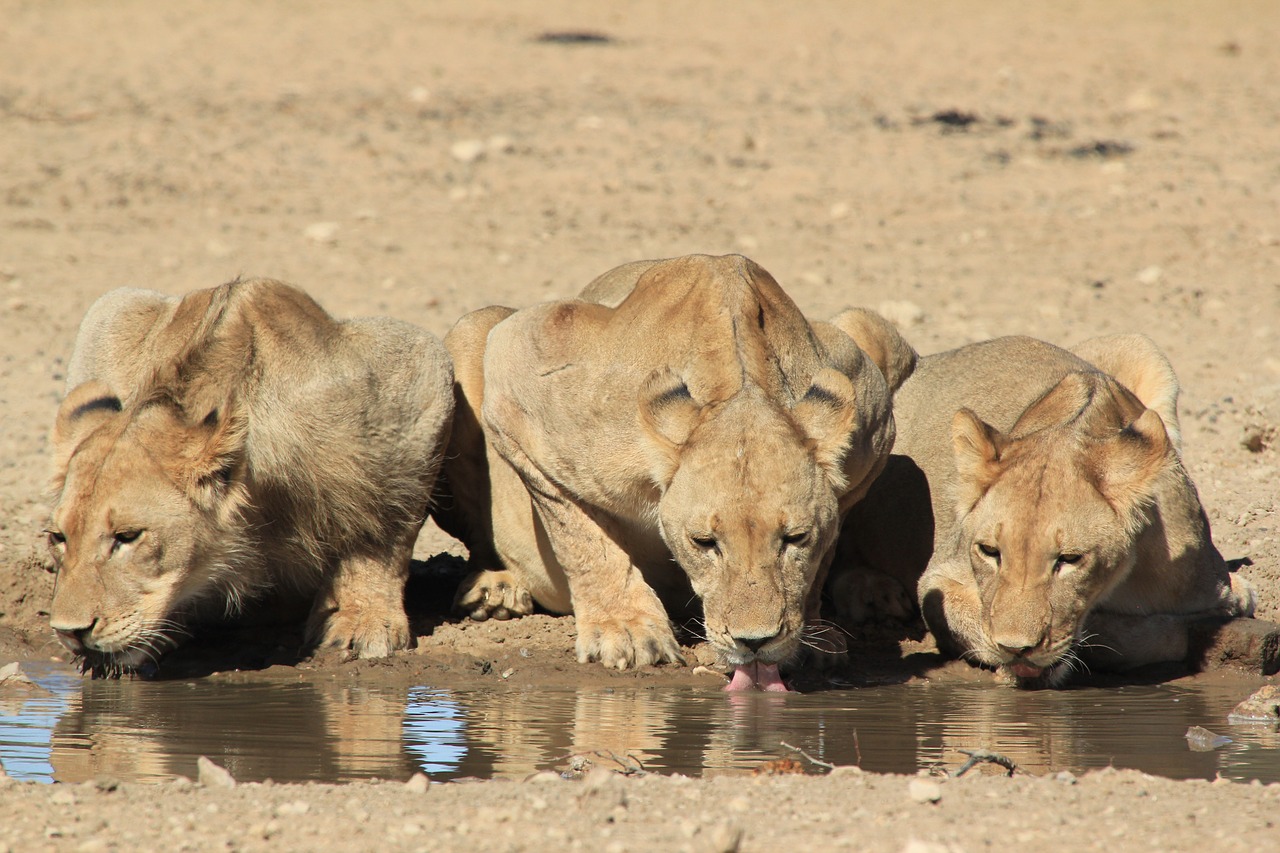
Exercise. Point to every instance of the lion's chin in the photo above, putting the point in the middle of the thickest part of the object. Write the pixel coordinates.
(95, 664)
(758, 676)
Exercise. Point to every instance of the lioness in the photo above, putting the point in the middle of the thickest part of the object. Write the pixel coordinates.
(233, 440)
(682, 415)
(1067, 530)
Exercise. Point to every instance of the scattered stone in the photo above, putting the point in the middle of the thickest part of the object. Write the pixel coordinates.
(779, 767)
(1256, 440)
(293, 808)
(543, 776)
(419, 94)
(501, 144)
(573, 37)
(1262, 707)
(915, 845)
(954, 119)
(1200, 739)
(924, 790)
(725, 838)
(706, 670)
(901, 312)
(845, 770)
(468, 150)
(418, 783)
(1103, 149)
(11, 675)
(321, 232)
(105, 784)
(1066, 777)
(1150, 275)
(61, 796)
(212, 776)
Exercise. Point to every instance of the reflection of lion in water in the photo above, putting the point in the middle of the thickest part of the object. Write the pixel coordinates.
(233, 440)
(1067, 529)
(683, 423)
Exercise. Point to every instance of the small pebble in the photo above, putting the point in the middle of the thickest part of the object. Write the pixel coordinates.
(1150, 275)
(924, 790)
(213, 776)
(418, 783)
(1201, 739)
(1262, 707)
(468, 150)
(321, 232)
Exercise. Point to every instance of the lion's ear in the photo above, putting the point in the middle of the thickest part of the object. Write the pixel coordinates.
(1125, 466)
(86, 408)
(668, 415)
(826, 414)
(976, 446)
(881, 342)
(1138, 364)
(214, 461)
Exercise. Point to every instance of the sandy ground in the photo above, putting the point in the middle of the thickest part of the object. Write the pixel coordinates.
(970, 169)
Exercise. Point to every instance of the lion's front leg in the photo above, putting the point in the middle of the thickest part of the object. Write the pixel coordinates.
(620, 620)
(360, 605)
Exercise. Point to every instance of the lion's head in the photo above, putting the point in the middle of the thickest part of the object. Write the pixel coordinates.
(1051, 515)
(750, 503)
(144, 497)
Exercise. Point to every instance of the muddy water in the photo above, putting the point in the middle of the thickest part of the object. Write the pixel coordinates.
(300, 731)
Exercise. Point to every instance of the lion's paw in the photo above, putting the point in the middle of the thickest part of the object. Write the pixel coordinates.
(369, 632)
(862, 595)
(625, 643)
(493, 595)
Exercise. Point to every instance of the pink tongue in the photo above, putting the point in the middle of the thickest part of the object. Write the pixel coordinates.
(1026, 670)
(764, 676)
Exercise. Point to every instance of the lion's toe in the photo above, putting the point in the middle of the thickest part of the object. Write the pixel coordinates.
(622, 645)
(368, 635)
(493, 595)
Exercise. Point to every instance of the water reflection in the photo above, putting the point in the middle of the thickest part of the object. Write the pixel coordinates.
(324, 731)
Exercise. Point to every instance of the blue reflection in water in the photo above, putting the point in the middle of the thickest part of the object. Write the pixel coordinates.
(434, 725)
(26, 736)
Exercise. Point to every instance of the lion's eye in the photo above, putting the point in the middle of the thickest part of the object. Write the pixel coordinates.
(56, 537)
(703, 541)
(990, 551)
(797, 537)
(124, 537)
(1067, 560)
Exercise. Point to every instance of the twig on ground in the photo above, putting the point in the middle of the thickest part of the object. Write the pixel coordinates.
(979, 756)
(809, 757)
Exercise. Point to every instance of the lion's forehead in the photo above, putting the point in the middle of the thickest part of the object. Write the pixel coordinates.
(1043, 514)
(122, 488)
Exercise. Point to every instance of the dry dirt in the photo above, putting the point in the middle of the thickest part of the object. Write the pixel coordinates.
(970, 169)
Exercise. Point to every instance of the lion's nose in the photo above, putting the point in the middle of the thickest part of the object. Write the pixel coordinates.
(1017, 647)
(755, 644)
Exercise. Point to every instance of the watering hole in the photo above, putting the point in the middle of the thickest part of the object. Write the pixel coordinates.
(74, 730)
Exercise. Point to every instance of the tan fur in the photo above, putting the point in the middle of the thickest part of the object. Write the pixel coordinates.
(1067, 529)
(234, 440)
(687, 428)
